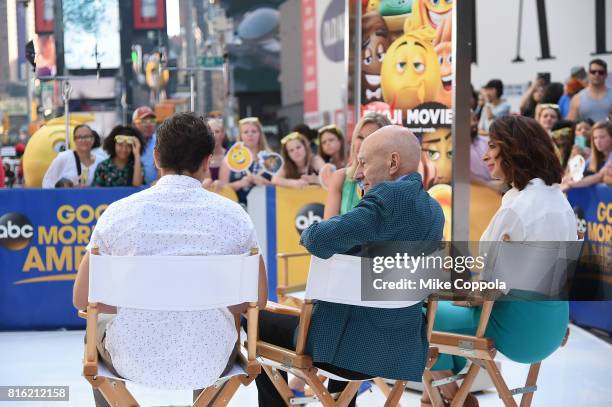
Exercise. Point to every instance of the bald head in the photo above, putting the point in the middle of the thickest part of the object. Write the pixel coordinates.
(399, 140)
(387, 154)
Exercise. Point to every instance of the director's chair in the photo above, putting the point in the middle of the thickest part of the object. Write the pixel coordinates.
(335, 280)
(543, 271)
(287, 294)
(195, 283)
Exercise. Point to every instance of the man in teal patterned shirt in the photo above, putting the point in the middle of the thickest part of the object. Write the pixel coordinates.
(359, 342)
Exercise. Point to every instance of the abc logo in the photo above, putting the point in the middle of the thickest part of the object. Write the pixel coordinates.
(307, 215)
(16, 231)
(580, 221)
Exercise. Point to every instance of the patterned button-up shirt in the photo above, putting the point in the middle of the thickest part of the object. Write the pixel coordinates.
(175, 217)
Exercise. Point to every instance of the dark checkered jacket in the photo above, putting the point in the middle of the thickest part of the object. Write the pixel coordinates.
(389, 343)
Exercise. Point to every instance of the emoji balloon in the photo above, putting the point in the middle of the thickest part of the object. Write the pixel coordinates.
(45, 144)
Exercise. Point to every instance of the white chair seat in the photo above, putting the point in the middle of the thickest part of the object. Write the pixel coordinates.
(276, 365)
(236, 370)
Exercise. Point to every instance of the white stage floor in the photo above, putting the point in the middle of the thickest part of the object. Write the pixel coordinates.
(576, 375)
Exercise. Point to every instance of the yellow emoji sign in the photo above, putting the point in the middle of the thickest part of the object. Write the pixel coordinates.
(438, 148)
(239, 157)
(410, 73)
(428, 15)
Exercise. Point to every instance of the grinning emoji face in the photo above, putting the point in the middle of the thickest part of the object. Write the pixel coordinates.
(438, 148)
(239, 158)
(410, 72)
(445, 59)
(428, 14)
(374, 45)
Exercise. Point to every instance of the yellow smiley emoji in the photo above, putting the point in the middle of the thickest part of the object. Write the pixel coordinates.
(239, 158)
(410, 73)
(445, 59)
(438, 147)
(428, 14)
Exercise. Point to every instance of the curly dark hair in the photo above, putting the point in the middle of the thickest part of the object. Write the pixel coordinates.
(109, 141)
(526, 151)
(183, 141)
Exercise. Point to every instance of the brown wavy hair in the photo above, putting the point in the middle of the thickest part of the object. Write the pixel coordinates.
(526, 151)
(291, 168)
(335, 130)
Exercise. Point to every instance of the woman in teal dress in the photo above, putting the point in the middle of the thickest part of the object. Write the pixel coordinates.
(525, 330)
(342, 190)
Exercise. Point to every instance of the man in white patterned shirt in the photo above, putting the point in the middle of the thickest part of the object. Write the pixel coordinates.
(170, 349)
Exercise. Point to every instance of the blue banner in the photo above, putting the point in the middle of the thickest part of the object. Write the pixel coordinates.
(43, 236)
(593, 209)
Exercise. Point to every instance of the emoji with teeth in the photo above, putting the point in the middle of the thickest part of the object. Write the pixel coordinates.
(375, 42)
(239, 157)
(444, 49)
(410, 71)
(428, 14)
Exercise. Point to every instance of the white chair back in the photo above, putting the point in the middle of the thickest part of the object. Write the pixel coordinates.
(338, 280)
(541, 267)
(173, 283)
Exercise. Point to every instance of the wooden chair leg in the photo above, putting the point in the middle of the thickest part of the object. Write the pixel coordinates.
(396, 394)
(116, 394)
(279, 383)
(227, 392)
(206, 396)
(532, 379)
(466, 386)
(500, 384)
(348, 393)
(319, 389)
(433, 392)
(382, 385)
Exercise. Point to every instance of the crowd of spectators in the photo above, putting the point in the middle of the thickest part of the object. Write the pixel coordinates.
(577, 116)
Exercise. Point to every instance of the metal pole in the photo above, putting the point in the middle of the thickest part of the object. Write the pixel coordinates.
(67, 89)
(518, 34)
(357, 62)
(191, 92)
(462, 64)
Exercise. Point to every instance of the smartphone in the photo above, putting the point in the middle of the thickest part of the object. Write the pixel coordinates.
(545, 76)
(267, 176)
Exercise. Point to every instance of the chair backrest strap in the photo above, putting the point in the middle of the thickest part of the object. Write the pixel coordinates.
(173, 283)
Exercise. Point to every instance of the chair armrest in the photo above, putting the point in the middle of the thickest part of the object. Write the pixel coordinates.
(277, 308)
(82, 314)
(252, 367)
(292, 254)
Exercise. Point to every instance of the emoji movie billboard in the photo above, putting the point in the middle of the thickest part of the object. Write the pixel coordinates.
(43, 237)
(406, 74)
